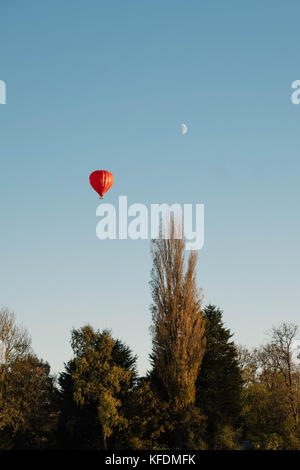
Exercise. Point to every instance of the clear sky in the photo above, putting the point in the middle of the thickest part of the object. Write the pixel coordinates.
(95, 84)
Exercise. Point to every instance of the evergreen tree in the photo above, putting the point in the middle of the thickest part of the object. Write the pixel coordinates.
(78, 426)
(219, 382)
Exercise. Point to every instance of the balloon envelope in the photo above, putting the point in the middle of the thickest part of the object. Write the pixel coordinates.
(101, 181)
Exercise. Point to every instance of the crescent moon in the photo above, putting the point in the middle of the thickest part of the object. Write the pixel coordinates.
(184, 129)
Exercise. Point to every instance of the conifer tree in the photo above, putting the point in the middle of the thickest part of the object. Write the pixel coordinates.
(219, 382)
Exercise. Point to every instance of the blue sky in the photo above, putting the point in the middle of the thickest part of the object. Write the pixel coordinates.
(106, 85)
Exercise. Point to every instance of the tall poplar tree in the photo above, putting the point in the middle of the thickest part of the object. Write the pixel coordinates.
(178, 324)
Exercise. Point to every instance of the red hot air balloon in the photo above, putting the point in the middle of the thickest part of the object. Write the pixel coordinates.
(101, 181)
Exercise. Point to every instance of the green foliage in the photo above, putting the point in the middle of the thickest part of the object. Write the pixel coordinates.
(269, 442)
(187, 430)
(148, 418)
(78, 426)
(226, 438)
(219, 383)
(27, 417)
(93, 388)
(271, 395)
(266, 417)
(101, 403)
(155, 424)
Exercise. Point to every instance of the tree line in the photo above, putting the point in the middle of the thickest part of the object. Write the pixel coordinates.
(202, 390)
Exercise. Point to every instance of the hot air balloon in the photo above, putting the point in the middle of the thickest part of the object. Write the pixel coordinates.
(101, 181)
